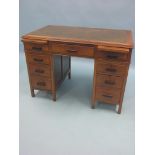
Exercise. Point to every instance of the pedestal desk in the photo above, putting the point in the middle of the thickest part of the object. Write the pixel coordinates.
(48, 54)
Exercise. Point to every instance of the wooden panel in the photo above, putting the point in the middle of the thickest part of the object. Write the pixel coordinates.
(40, 70)
(112, 56)
(35, 47)
(41, 83)
(65, 64)
(110, 68)
(57, 68)
(114, 49)
(107, 95)
(39, 59)
(109, 37)
(73, 50)
(109, 81)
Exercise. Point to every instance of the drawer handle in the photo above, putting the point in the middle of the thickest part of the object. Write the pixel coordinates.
(108, 96)
(38, 60)
(111, 70)
(39, 71)
(37, 48)
(109, 82)
(41, 83)
(112, 56)
(72, 50)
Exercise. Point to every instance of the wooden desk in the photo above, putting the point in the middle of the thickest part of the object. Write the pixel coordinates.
(48, 54)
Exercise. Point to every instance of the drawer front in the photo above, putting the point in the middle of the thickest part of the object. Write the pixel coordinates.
(40, 70)
(110, 68)
(109, 81)
(35, 47)
(73, 50)
(108, 95)
(41, 83)
(112, 56)
(39, 59)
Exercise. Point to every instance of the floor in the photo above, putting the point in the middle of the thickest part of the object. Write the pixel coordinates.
(69, 126)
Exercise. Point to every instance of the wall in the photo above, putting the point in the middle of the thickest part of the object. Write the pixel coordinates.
(117, 14)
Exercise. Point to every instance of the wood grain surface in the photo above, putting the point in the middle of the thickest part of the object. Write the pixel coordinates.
(98, 36)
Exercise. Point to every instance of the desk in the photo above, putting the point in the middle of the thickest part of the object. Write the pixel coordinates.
(48, 54)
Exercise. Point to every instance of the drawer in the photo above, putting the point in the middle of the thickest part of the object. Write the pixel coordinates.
(112, 56)
(41, 83)
(39, 59)
(35, 47)
(73, 50)
(40, 70)
(110, 68)
(109, 81)
(108, 95)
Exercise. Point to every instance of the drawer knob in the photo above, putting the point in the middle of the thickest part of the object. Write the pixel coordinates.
(38, 60)
(37, 48)
(111, 70)
(39, 71)
(109, 82)
(112, 56)
(108, 96)
(71, 50)
(41, 83)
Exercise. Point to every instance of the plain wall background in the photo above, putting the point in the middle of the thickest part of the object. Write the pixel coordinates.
(113, 14)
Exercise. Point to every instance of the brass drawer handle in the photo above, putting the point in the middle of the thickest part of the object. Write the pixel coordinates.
(71, 50)
(112, 56)
(111, 70)
(38, 60)
(39, 71)
(41, 83)
(108, 96)
(37, 48)
(109, 82)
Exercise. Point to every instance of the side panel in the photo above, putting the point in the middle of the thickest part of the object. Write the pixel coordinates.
(65, 65)
(57, 69)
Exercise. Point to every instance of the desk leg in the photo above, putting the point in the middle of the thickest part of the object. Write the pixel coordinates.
(93, 104)
(93, 99)
(53, 79)
(122, 96)
(69, 74)
(119, 108)
(121, 101)
(32, 92)
(53, 89)
(54, 96)
(93, 96)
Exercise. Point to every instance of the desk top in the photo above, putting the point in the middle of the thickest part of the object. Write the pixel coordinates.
(97, 36)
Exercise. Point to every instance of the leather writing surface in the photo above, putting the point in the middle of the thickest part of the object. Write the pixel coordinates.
(83, 34)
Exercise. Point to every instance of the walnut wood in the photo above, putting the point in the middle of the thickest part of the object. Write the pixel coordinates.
(36, 47)
(103, 67)
(108, 95)
(41, 83)
(48, 52)
(40, 70)
(45, 69)
(31, 88)
(109, 81)
(73, 50)
(114, 49)
(39, 59)
(112, 56)
(97, 36)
